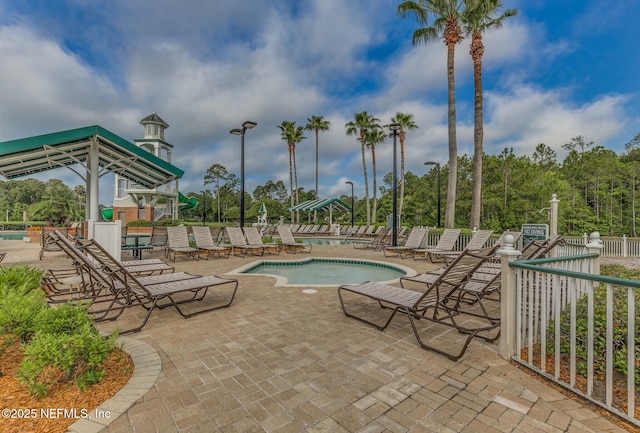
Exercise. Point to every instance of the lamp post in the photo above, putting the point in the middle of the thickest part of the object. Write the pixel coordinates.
(394, 127)
(241, 131)
(352, 208)
(438, 174)
(204, 207)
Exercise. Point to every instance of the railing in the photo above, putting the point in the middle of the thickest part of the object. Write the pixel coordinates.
(613, 247)
(573, 326)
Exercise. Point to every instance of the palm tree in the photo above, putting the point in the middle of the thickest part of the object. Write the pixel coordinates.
(317, 124)
(292, 134)
(360, 125)
(478, 18)
(447, 15)
(406, 123)
(373, 137)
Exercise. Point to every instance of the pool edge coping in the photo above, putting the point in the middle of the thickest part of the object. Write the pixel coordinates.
(284, 282)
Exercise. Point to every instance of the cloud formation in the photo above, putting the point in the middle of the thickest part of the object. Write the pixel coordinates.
(206, 66)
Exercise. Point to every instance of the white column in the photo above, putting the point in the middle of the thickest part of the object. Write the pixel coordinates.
(93, 177)
(508, 288)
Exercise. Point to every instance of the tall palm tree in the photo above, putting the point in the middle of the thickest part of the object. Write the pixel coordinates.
(317, 124)
(480, 16)
(361, 123)
(292, 134)
(373, 137)
(407, 123)
(446, 24)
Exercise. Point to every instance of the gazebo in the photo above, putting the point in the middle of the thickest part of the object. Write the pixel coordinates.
(94, 149)
(318, 205)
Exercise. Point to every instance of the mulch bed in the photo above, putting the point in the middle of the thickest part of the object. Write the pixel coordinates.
(619, 393)
(64, 404)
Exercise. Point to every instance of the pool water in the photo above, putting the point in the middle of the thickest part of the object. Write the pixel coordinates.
(327, 272)
(12, 236)
(328, 241)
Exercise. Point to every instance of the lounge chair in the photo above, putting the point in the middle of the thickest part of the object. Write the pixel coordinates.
(159, 237)
(414, 241)
(446, 244)
(429, 304)
(239, 243)
(477, 241)
(376, 243)
(135, 291)
(2, 256)
(178, 243)
(254, 238)
(204, 243)
(289, 243)
(88, 279)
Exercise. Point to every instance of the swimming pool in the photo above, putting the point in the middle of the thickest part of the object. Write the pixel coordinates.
(12, 236)
(322, 271)
(329, 241)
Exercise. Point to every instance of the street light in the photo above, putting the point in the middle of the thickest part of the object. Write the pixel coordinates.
(204, 207)
(394, 127)
(352, 208)
(240, 131)
(438, 173)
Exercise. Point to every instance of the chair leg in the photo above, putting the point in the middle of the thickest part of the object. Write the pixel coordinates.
(375, 325)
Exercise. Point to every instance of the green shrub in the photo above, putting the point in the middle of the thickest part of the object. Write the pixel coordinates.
(620, 325)
(19, 312)
(65, 347)
(60, 343)
(22, 279)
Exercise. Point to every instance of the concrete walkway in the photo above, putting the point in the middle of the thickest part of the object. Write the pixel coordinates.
(282, 360)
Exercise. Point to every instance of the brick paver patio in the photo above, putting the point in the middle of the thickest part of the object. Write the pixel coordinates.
(282, 360)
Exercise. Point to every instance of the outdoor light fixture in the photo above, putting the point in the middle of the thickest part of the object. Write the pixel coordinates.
(438, 174)
(352, 207)
(241, 131)
(394, 127)
(204, 207)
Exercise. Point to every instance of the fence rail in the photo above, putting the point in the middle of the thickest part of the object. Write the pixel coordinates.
(577, 328)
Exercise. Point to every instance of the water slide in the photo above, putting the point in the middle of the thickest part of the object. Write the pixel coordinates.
(107, 213)
(185, 203)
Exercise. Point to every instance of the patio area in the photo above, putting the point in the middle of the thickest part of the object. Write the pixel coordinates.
(282, 360)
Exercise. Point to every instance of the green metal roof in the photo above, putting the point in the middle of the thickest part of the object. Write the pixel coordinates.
(322, 204)
(31, 155)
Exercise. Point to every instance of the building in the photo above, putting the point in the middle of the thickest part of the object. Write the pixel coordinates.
(131, 201)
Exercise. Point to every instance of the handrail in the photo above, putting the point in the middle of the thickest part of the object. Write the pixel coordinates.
(533, 265)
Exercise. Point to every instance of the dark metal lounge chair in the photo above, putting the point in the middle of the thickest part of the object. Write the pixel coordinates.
(133, 291)
(430, 304)
(413, 242)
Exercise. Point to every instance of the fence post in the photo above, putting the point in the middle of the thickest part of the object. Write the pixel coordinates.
(508, 288)
(595, 246)
(625, 246)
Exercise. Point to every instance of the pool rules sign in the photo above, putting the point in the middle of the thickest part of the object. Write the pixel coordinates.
(534, 232)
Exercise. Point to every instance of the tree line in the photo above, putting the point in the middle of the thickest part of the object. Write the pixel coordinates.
(597, 189)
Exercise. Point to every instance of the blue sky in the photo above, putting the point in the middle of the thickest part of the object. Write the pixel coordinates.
(557, 70)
